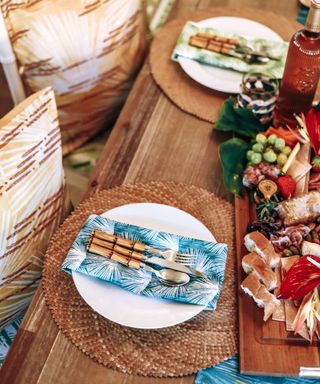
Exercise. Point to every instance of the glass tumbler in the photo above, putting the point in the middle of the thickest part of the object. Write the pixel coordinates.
(259, 93)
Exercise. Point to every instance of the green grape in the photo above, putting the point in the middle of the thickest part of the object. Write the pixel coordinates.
(282, 159)
(250, 164)
(270, 156)
(257, 147)
(279, 144)
(260, 138)
(272, 138)
(249, 154)
(256, 158)
(269, 148)
(286, 150)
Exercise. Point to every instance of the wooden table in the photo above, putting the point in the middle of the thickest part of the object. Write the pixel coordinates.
(152, 140)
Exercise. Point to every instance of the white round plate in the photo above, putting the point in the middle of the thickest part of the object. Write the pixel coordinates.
(225, 80)
(124, 307)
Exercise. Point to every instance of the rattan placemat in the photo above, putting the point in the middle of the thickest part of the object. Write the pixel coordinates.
(203, 341)
(183, 91)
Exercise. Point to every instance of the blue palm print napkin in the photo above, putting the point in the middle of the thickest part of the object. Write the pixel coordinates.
(211, 260)
(227, 372)
(7, 334)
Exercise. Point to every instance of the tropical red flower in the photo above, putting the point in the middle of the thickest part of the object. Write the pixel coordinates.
(312, 121)
(301, 279)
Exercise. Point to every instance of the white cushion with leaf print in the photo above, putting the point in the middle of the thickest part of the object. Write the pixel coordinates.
(31, 197)
(87, 50)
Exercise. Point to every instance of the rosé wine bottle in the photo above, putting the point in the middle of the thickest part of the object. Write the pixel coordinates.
(301, 73)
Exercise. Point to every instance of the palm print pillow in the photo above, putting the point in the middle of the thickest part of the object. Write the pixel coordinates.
(88, 51)
(31, 197)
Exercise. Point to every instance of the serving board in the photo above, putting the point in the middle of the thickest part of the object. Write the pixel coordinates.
(265, 348)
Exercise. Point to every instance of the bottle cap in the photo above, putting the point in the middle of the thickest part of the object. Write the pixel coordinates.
(313, 19)
(267, 188)
(315, 3)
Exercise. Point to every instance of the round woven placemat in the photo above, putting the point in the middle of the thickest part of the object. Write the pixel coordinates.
(183, 91)
(203, 341)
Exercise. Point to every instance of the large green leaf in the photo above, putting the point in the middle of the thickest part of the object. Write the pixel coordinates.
(233, 159)
(238, 120)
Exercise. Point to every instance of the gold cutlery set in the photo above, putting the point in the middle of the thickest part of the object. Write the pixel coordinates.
(176, 266)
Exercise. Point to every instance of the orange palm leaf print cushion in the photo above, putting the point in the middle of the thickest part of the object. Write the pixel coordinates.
(32, 191)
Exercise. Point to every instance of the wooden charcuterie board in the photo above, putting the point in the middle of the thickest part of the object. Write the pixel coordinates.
(266, 348)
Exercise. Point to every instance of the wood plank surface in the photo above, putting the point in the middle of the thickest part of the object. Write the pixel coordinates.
(152, 140)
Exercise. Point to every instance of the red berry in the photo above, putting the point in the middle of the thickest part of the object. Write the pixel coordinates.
(287, 186)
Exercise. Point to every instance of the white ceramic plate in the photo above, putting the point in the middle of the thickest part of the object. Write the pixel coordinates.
(225, 80)
(124, 307)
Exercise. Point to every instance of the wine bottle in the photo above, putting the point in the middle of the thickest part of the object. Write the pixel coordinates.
(301, 73)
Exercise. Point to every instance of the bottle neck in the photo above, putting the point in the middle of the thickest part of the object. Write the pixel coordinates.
(311, 35)
(313, 20)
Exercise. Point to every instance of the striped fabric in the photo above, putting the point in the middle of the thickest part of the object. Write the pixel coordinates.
(31, 197)
(87, 50)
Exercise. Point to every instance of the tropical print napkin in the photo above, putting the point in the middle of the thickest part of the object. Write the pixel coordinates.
(273, 68)
(227, 372)
(7, 334)
(211, 260)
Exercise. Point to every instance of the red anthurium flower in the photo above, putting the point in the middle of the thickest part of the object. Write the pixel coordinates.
(301, 279)
(312, 121)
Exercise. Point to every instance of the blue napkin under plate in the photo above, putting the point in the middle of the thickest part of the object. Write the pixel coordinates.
(211, 260)
(227, 372)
